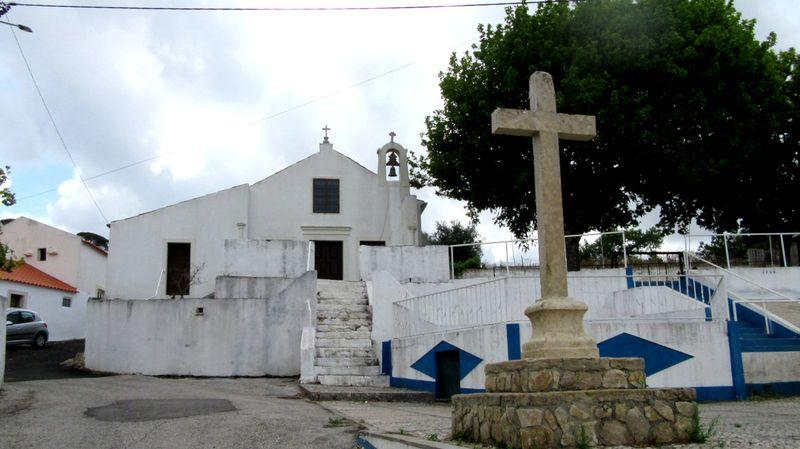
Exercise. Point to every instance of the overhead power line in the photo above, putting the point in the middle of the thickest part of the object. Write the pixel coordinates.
(254, 122)
(53, 122)
(283, 9)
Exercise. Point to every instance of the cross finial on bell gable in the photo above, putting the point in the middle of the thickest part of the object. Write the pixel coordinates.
(326, 129)
(391, 136)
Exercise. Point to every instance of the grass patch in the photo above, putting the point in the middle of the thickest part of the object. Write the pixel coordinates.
(336, 421)
(700, 432)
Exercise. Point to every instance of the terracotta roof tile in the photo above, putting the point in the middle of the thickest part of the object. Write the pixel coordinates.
(28, 274)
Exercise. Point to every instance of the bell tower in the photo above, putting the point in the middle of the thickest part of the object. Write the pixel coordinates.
(393, 164)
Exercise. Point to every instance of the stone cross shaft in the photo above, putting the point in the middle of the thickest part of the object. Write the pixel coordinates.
(554, 316)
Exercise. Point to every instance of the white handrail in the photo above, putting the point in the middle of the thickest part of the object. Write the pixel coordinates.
(158, 285)
(763, 306)
(308, 257)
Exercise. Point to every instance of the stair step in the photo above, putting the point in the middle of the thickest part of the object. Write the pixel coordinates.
(356, 381)
(344, 322)
(343, 301)
(342, 314)
(372, 370)
(342, 308)
(339, 289)
(350, 361)
(365, 343)
(345, 328)
(344, 333)
(344, 353)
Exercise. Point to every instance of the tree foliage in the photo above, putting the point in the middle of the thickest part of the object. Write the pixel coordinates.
(456, 233)
(610, 244)
(695, 117)
(7, 260)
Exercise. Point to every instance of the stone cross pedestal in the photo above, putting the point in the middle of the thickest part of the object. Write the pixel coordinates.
(556, 318)
(562, 394)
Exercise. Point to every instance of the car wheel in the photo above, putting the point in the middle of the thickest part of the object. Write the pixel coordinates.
(40, 340)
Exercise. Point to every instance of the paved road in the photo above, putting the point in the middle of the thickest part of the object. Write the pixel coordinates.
(148, 412)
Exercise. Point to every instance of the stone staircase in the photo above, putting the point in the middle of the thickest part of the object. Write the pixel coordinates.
(343, 349)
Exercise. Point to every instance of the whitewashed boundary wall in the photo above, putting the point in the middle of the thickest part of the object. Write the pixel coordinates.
(406, 263)
(705, 342)
(771, 368)
(782, 279)
(203, 337)
(267, 258)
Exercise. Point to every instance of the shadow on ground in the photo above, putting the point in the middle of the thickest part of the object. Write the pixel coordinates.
(24, 363)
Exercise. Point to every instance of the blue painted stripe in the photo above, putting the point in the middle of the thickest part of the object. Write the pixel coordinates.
(737, 366)
(778, 388)
(386, 358)
(629, 276)
(512, 335)
(425, 385)
(710, 394)
(364, 444)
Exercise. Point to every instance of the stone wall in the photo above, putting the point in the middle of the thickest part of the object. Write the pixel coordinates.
(406, 263)
(267, 258)
(565, 402)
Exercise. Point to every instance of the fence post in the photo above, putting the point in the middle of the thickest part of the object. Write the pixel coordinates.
(624, 249)
(727, 254)
(771, 255)
(452, 265)
(508, 270)
(783, 252)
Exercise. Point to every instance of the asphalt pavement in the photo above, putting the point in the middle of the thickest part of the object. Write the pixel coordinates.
(149, 412)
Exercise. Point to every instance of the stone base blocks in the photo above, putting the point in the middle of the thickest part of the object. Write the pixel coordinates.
(553, 403)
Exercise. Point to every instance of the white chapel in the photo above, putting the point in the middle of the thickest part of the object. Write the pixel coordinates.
(326, 198)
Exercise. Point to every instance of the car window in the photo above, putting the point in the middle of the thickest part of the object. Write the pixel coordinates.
(26, 317)
(13, 317)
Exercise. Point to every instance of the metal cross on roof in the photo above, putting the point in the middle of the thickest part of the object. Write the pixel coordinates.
(326, 129)
(391, 135)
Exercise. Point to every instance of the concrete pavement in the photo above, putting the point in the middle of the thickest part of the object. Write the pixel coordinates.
(165, 413)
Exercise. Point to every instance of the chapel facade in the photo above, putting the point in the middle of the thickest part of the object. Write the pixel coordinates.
(327, 198)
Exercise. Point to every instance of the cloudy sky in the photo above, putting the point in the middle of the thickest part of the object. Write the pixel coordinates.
(226, 97)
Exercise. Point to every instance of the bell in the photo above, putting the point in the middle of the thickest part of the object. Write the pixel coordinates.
(392, 164)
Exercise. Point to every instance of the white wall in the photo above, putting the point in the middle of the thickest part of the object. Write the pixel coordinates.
(233, 337)
(263, 258)
(706, 341)
(63, 323)
(281, 207)
(771, 367)
(92, 271)
(406, 263)
(783, 279)
(138, 245)
(24, 236)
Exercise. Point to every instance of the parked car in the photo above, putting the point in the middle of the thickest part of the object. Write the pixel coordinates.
(25, 327)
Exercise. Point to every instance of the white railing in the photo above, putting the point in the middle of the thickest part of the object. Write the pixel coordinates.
(158, 284)
(510, 256)
(505, 299)
(308, 257)
(738, 299)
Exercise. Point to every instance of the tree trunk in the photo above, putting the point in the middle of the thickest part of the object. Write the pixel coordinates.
(573, 253)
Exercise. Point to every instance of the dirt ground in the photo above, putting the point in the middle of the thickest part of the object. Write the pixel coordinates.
(24, 363)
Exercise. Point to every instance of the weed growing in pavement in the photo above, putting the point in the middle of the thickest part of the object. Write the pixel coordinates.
(336, 421)
(433, 437)
(700, 433)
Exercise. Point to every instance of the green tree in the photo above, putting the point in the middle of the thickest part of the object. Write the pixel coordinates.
(456, 233)
(695, 117)
(610, 245)
(7, 260)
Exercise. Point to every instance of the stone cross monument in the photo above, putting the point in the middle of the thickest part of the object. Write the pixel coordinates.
(562, 394)
(556, 318)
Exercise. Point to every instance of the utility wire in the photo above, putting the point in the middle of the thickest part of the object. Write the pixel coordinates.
(263, 119)
(284, 9)
(53, 121)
